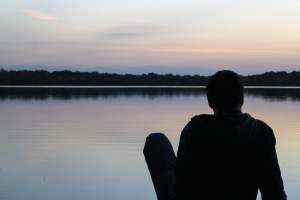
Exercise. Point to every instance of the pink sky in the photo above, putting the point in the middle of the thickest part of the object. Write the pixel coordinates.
(248, 36)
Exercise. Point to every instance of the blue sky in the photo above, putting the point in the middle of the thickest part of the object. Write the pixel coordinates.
(244, 36)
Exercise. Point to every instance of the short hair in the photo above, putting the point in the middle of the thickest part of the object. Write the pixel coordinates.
(224, 89)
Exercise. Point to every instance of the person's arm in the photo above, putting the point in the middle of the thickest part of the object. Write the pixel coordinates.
(185, 167)
(271, 184)
(178, 192)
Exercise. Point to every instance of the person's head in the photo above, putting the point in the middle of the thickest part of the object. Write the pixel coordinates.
(225, 90)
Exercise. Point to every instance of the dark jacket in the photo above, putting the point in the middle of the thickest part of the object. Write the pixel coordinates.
(227, 157)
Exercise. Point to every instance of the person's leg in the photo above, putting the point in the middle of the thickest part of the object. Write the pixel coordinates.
(161, 159)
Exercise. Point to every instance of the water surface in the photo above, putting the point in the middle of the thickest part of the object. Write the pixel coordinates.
(86, 143)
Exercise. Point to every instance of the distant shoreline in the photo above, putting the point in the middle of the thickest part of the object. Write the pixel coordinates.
(42, 78)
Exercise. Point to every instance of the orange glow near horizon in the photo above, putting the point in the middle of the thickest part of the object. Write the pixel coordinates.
(189, 50)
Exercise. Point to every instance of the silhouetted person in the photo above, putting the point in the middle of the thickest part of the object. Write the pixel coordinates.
(228, 155)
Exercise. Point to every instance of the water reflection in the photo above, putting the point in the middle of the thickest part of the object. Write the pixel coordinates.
(273, 94)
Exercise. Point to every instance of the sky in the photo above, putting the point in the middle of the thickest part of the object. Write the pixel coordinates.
(248, 37)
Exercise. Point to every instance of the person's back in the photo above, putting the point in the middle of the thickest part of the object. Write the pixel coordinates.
(228, 155)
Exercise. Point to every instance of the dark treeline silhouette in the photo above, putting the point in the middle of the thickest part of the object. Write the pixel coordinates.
(43, 94)
(42, 77)
(273, 79)
(94, 78)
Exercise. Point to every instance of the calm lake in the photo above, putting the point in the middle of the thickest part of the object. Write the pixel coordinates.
(86, 143)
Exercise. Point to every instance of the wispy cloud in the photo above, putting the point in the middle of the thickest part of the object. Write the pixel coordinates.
(59, 42)
(126, 32)
(126, 35)
(134, 31)
(39, 15)
(187, 49)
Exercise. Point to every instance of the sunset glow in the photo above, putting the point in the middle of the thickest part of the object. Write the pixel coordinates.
(248, 37)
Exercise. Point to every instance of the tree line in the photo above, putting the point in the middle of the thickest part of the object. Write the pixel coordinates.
(42, 77)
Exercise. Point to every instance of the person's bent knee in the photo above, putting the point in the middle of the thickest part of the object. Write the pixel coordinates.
(152, 141)
(155, 137)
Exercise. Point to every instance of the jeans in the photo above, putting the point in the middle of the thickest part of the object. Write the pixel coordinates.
(161, 159)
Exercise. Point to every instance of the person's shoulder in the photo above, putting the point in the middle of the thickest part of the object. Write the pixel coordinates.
(191, 125)
(263, 125)
(196, 121)
(195, 127)
(265, 131)
(188, 126)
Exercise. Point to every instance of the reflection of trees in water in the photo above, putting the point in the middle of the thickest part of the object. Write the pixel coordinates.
(95, 93)
(274, 94)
